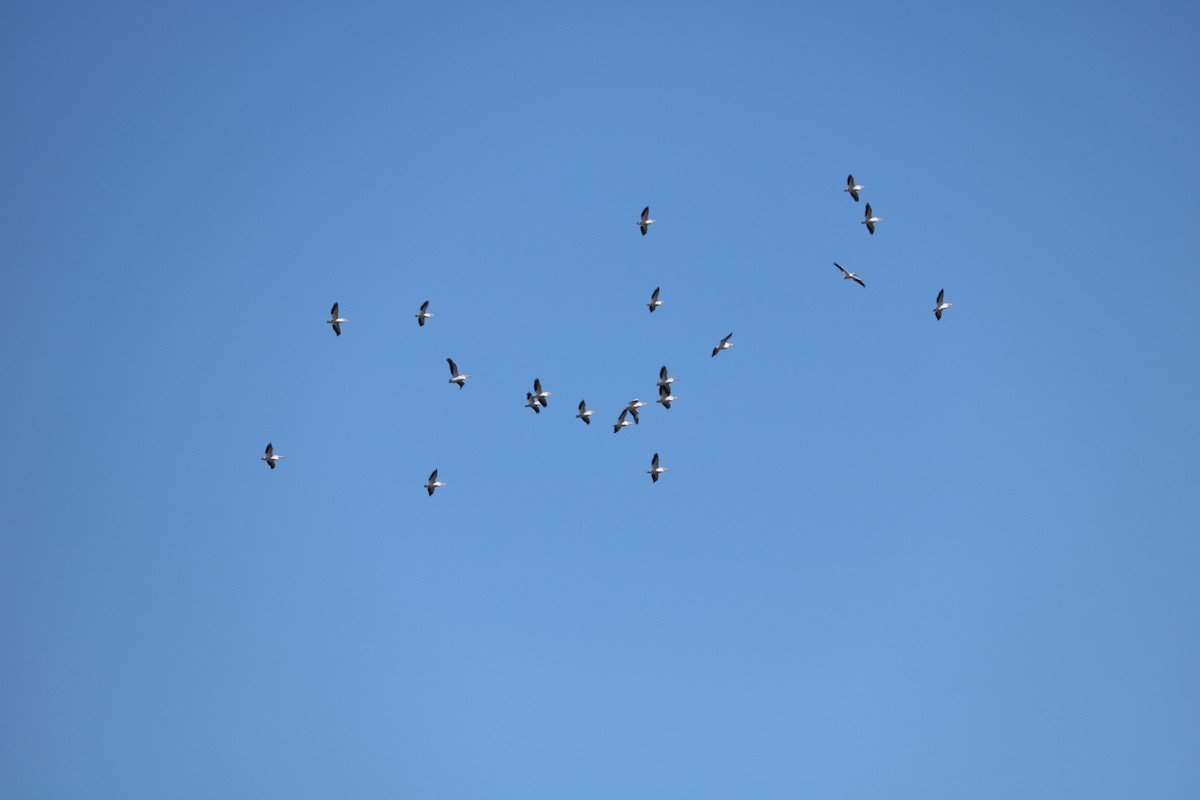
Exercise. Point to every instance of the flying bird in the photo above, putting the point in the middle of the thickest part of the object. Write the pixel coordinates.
(870, 219)
(621, 422)
(270, 457)
(725, 344)
(432, 483)
(852, 187)
(645, 222)
(654, 301)
(633, 407)
(335, 320)
(941, 304)
(423, 314)
(665, 397)
(531, 401)
(454, 376)
(538, 394)
(655, 470)
(850, 276)
(585, 413)
(663, 380)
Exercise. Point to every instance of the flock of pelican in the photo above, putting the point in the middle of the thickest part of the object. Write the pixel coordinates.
(539, 398)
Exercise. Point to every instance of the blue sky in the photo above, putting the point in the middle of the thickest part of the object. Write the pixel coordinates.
(892, 557)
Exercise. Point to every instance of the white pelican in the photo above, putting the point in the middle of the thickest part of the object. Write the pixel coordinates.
(335, 320)
(538, 394)
(432, 483)
(531, 401)
(654, 301)
(869, 220)
(852, 187)
(645, 222)
(461, 380)
(270, 457)
(663, 380)
(621, 422)
(850, 276)
(941, 304)
(665, 397)
(633, 407)
(585, 413)
(724, 345)
(655, 470)
(423, 314)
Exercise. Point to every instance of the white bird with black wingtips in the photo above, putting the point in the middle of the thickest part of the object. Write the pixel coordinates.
(869, 219)
(433, 483)
(335, 320)
(852, 187)
(655, 470)
(270, 457)
(850, 276)
(654, 301)
(585, 413)
(942, 305)
(724, 344)
(454, 376)
(423, 314)
(540, 395)
(644, 222)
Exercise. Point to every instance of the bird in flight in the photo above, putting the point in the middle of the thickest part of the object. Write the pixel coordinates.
(423, 314)
(645, 222)
(335, 320)
(540, 395)
(725, 344)
(461, 380)
(663, 378)
(665, 397)
(655, 470)
(432, 483)
(621, 422)
(870, 219)
(850, 276)
(852, 187)
(654, 301)
(531, 401)
(585, 413)
(270, 457)
(942, 305)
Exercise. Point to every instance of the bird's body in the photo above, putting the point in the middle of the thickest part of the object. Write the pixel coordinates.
(270, 457)
(644, 222)
(621, 422)
(941, 305)
(664, 379)
(849, 276)
(531, 401)
(724, 344)
(335, 320)
(538, 394)
(585, 413)
(852, 187)
(869, 219)
(433, 483)
(654, 301)
(665, 397)
(655, 470)
(423, 314)
(454, 376)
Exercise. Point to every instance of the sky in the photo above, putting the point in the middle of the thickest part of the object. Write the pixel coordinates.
(893, 557)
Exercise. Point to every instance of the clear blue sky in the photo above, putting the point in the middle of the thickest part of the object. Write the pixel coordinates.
(893, 557)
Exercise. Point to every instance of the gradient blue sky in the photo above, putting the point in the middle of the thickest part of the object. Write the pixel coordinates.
(893, 557)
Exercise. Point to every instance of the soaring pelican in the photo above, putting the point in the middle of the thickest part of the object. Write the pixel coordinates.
(432, 483)
(941, 304)
(454, 376)
(665, 397)
(663, 380)
(655, 470)
(585, 413)
(270, 457)
(869, 220)
(423, 314)
(654, 301)
(852, 187)
(335, 320)
(633, 407)
(538, 394)
(725, 344)
(531, 401)
(621, 422)
(850, 276)
(645, 222)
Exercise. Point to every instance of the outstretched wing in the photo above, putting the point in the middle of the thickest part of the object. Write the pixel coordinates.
(453, 367)
(269, 450)
(334, 311)
(645, 213)
(941, 296)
